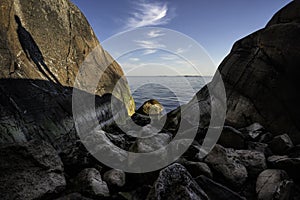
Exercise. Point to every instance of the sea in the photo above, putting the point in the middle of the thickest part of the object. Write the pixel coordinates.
(170, 91)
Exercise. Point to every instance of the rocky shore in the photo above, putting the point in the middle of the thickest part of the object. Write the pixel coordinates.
(42, 157)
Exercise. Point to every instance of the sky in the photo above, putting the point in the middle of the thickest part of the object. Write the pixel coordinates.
(171, 37)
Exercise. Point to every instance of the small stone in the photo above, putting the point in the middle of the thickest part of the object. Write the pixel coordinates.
(280, 144)
(89, 183)
(254, 131)
(254, 161)
(114, 177)
(266, 138)
(151, 107)
(197, 168)
(231, 138)
(261, 147)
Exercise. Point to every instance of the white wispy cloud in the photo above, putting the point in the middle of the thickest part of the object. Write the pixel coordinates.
(155, 33)
(134, 59)
(149, 51)
(168, 57)
(148, 14)
(150, 46)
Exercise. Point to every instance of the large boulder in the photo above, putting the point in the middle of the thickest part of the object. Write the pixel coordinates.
(226, 162)
(260, 76)
(273, 184)
(30, 170)
(43, 44)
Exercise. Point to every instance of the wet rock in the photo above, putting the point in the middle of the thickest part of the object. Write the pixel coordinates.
(217, 191)
(30, 171)
(231, 138)
(197, 168)
(114, 178)
(175, 183)
(254, 161)
(226, 162)
(89, 183)
(151, 107)
(273, 184)
(290, 165)
(280, 144)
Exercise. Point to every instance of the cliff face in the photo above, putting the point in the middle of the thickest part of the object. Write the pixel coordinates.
(261, 77)
(42, 46)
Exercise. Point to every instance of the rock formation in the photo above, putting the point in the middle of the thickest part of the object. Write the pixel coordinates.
(261, 78)
(42, 46)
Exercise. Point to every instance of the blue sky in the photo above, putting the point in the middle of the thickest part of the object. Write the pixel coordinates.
(214, 24)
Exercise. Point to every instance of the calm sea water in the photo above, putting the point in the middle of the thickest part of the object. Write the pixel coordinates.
(170, 91)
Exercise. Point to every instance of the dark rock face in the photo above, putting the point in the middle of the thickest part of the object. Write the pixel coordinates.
(273, 184)
(263, 63)
(30, 171)
(261, 78)
(47, 40)
(174, 182)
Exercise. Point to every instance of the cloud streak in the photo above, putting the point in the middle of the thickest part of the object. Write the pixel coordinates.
(150, 46)
(148, 14)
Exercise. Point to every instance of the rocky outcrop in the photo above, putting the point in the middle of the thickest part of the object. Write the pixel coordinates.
(261, 79)
(30, 171)
(42, 46)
